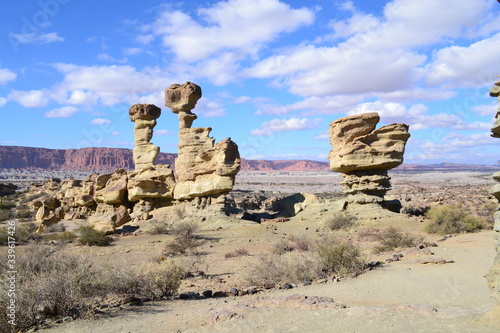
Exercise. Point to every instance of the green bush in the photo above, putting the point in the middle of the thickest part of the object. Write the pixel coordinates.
(63, 238)
(452, 219)
(6, 215)
(341, 221)
(394, 238)
(90, 236)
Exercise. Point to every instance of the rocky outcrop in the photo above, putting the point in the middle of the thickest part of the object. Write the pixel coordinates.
(205, 173)
(7, 189)
(202, 167)
(364, 154)
(144, 116)
(494, 274)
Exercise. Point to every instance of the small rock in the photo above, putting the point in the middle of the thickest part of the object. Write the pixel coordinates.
(189, 295)
(305, 283)
(220, 294)
(233, 292)
(207, 293)
(285, 286)
(269, 285)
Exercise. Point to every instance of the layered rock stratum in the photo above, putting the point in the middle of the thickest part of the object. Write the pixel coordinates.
(363, 155)
(494, 275)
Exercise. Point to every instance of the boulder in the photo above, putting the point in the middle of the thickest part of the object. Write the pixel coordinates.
(152, 182)
(115, 190)
(108, 222)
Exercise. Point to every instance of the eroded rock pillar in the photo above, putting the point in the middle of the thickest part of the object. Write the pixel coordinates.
(202, 167)
(494, 275)
(144, 116)
(363, 155)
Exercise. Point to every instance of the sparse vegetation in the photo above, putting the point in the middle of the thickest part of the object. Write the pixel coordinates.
(60, 238)
(92, 237)
(23, 233)
(158, 227)
(341, 221)
(451, 219)
(325, 257)
(293, 243)
(185, 240)
(78, 284)
(394, 238)
(241, 252)
(340, 257)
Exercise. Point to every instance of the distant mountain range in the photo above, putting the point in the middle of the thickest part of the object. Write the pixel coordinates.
(109, 159)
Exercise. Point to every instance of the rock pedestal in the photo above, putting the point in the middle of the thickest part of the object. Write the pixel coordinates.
(364, 154)
(494, 275)
(202, 167)
(144, 116)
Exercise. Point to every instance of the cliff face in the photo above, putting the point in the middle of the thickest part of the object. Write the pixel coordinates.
(110, 159)
(85, 159)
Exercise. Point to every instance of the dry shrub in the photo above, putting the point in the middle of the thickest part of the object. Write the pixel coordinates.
(60, 238)
(451, 219)
(54, 283)
(162, 279)
(158, 228)
(24, 232)
(90, 236)
(325, 257)
(394, 238)
(290, 267)
(293, 243)
(58, 227)
(342, 221)
(241, 252)
(185, 241)
(340, 257)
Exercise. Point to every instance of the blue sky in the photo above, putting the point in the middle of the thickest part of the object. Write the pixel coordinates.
(274, 73)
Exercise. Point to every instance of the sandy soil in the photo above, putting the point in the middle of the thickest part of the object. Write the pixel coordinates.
(402, 296)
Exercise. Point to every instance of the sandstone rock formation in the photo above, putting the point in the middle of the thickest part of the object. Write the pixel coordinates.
(494, 275)
(364, 154)
(205, 172)
(144, 116)
(202, 167)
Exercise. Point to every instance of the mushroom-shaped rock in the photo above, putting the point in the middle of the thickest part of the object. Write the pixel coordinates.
(182, 97)
(144, 116)
(364, 154)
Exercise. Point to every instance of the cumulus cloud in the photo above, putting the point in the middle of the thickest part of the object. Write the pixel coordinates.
(31, 98)
(210, 108)
(282, 125)
(311, 105)
(376, 54)
(63, 112)
(3, 101)
(237, 25)
(35, 38)
(100, 121)
(109, 85)
(464, 66)
(417, 116)
(6, 75)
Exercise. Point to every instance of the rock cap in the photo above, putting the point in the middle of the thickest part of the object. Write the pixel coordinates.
(144, 112)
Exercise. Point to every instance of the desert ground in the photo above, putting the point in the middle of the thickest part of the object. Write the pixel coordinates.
(439, 287)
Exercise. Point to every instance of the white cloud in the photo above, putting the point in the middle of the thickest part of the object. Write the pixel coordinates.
(115, 133)
(108, 85)
(62, 112)
(6, 75)
(282, 125)
(3, 101)
(31, 98)
(109, 58)
(100, 121)
(466, 66)
(237, 25)
(209, 108)
(379, 55)
(33, 38)
(417, 116)
(322, 136)
(163, 132)
(486, 109)
(132, 51)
